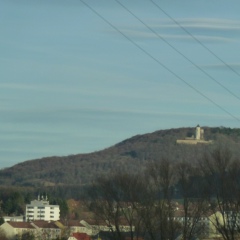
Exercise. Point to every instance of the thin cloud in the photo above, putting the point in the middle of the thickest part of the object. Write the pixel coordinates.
(73, 113)
(204, 29)
(147, 35)
(17, 86)
(202, 23)
(235, 66)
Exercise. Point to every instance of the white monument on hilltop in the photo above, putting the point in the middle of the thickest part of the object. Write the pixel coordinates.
(199, 138)
(199, 133)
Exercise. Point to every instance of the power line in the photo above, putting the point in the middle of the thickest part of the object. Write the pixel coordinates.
(195, 38)
(180, 53)
(158, 62)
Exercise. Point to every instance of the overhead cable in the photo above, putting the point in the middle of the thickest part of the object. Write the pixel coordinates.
(179, 52)
(195, 38)
(159, 62)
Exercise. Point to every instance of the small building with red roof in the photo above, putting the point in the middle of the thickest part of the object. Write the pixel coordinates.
(79, 236)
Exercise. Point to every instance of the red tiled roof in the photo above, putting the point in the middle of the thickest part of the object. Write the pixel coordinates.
(81, 236)
(74, 223)
(135, 238)
(179, 213)
(44, 224)
(20, 224)
(100, 222)
(122, 221)
(96, 222)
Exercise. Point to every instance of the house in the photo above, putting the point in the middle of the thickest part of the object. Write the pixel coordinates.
(205, 223)
(225, 221)
(64, 229)
(46, 230)
(13, 218)
(92, 226)
(14, 230)
(40, 209)
(40, 229)
(95, 226)
(79, 236)
(75, 226)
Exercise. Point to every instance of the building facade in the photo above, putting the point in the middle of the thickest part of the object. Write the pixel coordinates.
(40, 230)
(197, 139)
(15, 230)
(41, 210)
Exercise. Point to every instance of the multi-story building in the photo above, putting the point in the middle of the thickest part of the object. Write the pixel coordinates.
(41, 210)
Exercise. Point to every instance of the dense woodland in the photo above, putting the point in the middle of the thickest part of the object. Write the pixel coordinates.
(13, 201)
(207, 188)
(150, 171)
(146, 200)
(76, 171)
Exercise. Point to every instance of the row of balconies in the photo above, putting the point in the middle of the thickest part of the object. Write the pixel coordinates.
(39, 216)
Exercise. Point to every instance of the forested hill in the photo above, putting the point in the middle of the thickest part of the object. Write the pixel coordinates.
(129, 155)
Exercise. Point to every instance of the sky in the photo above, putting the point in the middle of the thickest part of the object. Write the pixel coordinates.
(78, 76)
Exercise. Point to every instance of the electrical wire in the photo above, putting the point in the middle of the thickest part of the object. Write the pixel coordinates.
(179, 52)
(195, 38)
(158, 62)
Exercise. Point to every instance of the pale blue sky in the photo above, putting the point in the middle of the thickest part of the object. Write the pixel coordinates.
(70, 83)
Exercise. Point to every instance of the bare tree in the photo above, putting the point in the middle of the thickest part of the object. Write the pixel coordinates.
(194, 203)
(114, 199)
(222, 177)
(28, 236)
(158, 210)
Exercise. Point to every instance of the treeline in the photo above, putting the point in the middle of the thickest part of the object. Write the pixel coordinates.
(208, 191)
(13, 200)
(81, 169)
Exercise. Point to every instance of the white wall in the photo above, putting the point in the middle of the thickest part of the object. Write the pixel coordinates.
(41, 210)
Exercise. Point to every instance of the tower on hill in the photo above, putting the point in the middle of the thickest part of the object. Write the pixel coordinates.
(199, 138)
(199, 133)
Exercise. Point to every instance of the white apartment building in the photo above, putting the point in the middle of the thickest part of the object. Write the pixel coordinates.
(41, 210)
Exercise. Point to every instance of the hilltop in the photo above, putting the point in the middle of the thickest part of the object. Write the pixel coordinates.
(129, 155)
